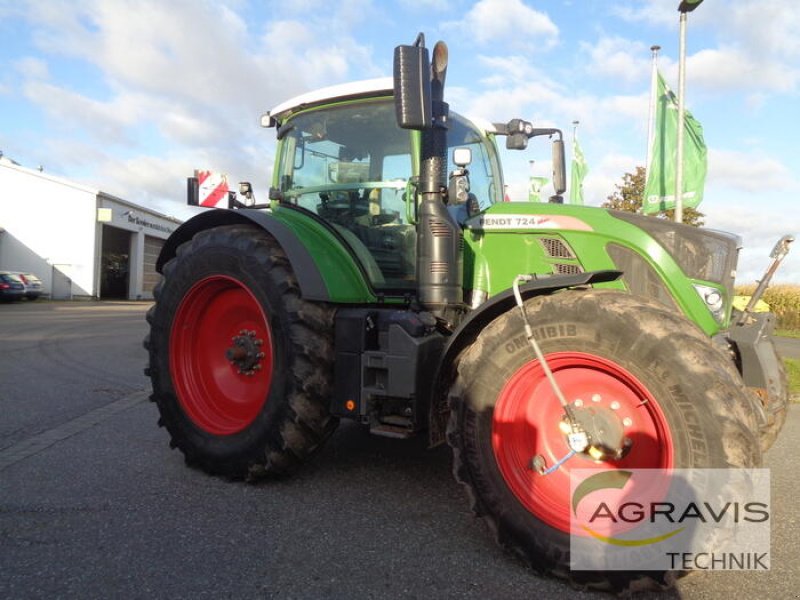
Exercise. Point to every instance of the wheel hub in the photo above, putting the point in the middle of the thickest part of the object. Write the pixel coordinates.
(603, 429)
(245, 354)
(528, 439)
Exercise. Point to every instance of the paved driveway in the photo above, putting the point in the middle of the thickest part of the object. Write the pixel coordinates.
(94, 504)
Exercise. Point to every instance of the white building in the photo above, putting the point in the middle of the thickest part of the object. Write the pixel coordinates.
(79, 241)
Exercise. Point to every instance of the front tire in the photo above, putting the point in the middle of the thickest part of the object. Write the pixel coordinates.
(625, 355)
(241, 366)
(777, 408)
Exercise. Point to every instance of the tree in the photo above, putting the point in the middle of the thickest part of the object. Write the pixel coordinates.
(629, 196)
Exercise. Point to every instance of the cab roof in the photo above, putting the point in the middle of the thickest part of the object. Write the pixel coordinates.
(368, 88)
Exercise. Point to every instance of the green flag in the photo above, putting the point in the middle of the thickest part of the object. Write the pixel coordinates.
(535, 187)
(659, 190)
(579, 170)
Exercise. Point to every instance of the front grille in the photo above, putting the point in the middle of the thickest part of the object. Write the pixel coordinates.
(567, 269)
(556, 248)
(702, 254)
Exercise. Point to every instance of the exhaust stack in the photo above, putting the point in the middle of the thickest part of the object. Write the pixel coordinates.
(420, 105)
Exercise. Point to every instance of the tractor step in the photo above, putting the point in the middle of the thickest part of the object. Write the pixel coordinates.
(393, 427)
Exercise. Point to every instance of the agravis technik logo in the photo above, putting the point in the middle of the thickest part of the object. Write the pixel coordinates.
(677, 519)
(629, 512)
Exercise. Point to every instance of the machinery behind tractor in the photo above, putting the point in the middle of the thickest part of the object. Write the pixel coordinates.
(387, 282)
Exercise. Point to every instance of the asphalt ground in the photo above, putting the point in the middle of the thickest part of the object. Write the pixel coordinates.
(94, 504)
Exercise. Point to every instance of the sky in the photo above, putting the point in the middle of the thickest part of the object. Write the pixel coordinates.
(132, 96)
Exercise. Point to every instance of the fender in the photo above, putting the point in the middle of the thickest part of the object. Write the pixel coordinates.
(350, 286)
(479, 318)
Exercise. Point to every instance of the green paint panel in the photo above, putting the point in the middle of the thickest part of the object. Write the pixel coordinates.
(343, 279)
(515, 237)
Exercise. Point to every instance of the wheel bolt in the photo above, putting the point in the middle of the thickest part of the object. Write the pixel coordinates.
(615, 405)
(627, 421)
(538, 463)
(578, 403)
(596, 398)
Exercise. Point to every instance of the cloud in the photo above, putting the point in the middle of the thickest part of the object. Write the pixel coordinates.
(750, 173)
(104, 121)
(177, 85)
(32, 68)
(618, 58)
(652, 12)
(507, 22)
(757, 43)
(766, 28)
(728, 68)
(426, 5)
(551, 107)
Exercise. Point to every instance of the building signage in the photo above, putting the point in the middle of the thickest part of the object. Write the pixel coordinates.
(135, 220)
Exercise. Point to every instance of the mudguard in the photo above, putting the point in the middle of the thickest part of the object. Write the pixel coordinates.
(760, 363)
(323, 263)
(482, 316)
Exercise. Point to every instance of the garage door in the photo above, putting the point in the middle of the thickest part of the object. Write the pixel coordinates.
(152, 247)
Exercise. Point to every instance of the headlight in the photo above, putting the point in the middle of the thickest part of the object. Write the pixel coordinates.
(713, 299)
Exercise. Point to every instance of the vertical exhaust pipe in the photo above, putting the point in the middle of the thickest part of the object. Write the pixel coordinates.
(419, 102)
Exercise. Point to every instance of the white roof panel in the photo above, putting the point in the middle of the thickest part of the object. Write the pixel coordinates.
(368, 87)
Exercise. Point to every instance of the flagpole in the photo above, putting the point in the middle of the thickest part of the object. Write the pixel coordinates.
(652, 110)
(681, 118)
(578, 170)
(576, 194)
(574, 134)
(686, 6)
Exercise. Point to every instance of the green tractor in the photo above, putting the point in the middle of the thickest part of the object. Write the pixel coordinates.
(386, 281)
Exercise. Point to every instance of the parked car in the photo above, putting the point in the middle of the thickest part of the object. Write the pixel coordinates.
(33, 285)
(11, 287)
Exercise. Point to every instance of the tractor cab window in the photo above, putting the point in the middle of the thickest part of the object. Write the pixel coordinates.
(484, 171)
(351, 165)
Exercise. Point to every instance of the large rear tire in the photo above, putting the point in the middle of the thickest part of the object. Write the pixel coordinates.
(661, 375)
(241, 366)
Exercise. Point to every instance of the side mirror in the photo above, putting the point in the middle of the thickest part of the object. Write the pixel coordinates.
(412, 86)
(246, 189)
(192, 191)
(462, 157)
(458, 186)
(559, 167)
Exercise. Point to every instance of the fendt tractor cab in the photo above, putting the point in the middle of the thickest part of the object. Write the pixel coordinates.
(387, 282)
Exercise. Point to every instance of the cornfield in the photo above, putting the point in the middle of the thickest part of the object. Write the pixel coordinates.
(783, 300)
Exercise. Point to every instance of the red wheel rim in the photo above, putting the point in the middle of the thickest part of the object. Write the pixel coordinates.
(214, 391)
(525, 424)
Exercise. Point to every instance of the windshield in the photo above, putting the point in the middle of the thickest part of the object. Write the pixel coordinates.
(352, 165)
